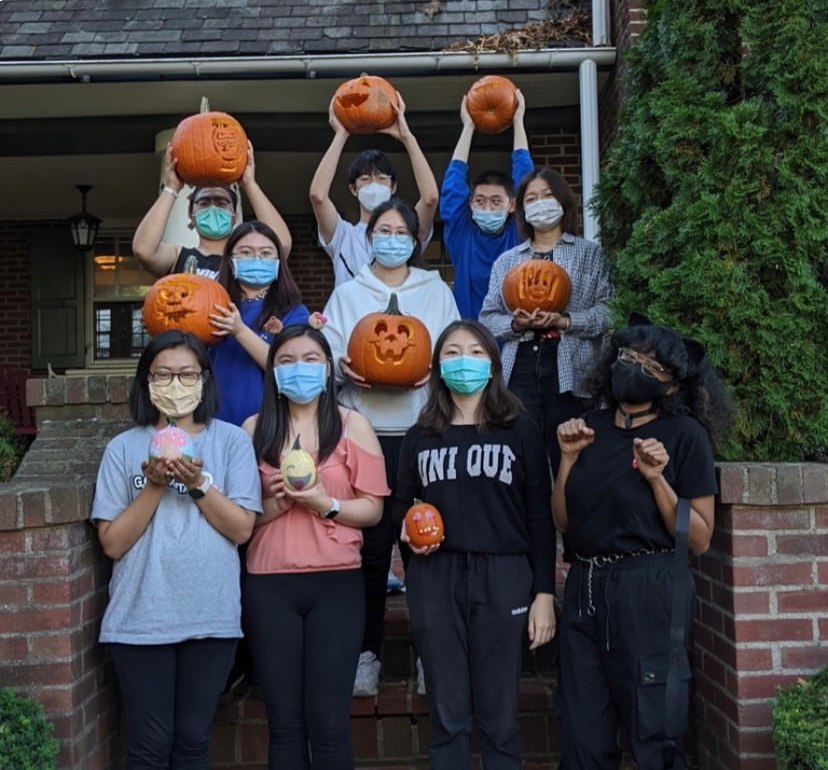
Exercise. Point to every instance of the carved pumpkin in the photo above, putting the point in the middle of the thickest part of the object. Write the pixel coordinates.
(211, 149)
(298, 468)
(365, 104)
(184, 301)
(537, 284)
(171, 443)
(491, 103)
(423, 525)
(390, 348)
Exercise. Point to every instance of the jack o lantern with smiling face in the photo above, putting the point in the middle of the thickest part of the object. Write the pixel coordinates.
(423, 525)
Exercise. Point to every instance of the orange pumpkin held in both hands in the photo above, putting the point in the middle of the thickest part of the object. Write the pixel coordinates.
(365, 104)
(537, 284)
(298, 468)
(389, 348)
(184, 301)
(210, 149)
(424, 525)
(491, 103)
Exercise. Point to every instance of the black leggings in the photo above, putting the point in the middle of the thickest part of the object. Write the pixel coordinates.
(305, 632)
(170, 692)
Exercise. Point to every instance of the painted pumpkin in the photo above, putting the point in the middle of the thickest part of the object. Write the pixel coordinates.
(491, 103)
(171, 443)
(424, 525)
(390, 348)
(537, 284)
(298, 468)
(365, 104)
(211, 149)
(184, 301)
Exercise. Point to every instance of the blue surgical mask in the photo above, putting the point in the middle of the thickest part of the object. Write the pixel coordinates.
(490, 222)
(466, 374)
(392, 250)
(257, 272)
(302, 381)
(214, 223)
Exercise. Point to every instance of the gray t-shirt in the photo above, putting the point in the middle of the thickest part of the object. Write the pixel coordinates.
(180, 580)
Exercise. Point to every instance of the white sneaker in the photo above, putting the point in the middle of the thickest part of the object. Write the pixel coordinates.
(421, 688)
(366, 683)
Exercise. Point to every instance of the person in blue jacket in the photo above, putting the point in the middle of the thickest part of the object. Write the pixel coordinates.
(478, 222)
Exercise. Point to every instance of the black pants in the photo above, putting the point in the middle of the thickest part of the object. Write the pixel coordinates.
(304, 632)
(613, 663)
(170, 692)
(377, 545)
(468, 615)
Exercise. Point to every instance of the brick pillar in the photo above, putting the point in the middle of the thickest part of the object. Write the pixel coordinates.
(763, 591)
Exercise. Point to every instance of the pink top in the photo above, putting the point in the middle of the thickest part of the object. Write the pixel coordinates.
(299, 540)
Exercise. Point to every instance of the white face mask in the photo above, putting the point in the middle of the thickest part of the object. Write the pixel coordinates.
(372, 195)
(543, 214)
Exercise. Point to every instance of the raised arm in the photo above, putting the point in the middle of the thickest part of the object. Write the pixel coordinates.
(520, 140)
(320, 188)
(262, 207)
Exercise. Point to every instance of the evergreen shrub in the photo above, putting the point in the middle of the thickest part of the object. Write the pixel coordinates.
(26, 740)
(800, 724)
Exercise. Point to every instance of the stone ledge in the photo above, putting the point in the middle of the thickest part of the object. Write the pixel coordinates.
(27, 505)
(85, 389)
(776, 484)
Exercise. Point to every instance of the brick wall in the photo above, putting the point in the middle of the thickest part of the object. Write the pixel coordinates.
(15, 282)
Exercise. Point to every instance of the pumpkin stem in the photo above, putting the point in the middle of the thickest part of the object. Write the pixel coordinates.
(393, 305)
(190, 264)
(296, 444)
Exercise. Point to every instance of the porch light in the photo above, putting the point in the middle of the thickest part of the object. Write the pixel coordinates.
(84, 226)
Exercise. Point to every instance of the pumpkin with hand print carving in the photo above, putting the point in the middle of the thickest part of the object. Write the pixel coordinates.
(390, 348)
(423, 525)
(210, 149)
(365, 104)
(537, 284)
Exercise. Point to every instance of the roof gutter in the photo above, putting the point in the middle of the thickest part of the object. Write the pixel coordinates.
(335, 65)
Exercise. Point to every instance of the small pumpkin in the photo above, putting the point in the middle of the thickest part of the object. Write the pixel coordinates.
(537, 284)
(210, 149)
(390, 348)
(365, 104)
(171, 443)
(184, 301)
(491, 103)
(298, 468)
(423, 524)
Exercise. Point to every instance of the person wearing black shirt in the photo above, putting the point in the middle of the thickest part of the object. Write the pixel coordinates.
(621, 474)
(477, 458)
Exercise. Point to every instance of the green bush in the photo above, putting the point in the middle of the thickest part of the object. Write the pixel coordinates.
(26, 741)
(11, 449)
(713, 202)
(800, 724)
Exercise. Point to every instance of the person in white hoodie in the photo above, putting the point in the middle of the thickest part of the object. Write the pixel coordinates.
(395, 268)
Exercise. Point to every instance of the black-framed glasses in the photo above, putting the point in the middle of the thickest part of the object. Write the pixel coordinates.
(185, 378)
(648, 366)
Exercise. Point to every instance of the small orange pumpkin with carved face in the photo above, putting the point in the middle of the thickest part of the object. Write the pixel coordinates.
(390, 348)
(365, 104)
(210, 149)
(424, 525)
(537, 284)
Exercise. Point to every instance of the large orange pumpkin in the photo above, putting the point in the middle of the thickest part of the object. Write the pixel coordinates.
(491, 103)
(389, 348)
(537, 284)
(424, 525)
(365, 104)
(211, 149)
(184, 301)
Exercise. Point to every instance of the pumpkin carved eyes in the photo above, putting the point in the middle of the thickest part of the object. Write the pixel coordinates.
(423, 525)
(365, 105)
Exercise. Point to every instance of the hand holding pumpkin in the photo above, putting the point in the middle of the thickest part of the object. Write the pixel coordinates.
(520, 110)
(186, 472)
(419, 550)
(399, 128)
(227, 320)
(465, 118)
(347, 371)
(248, 178)
(334, 121)
(171, 178)
(156, 471)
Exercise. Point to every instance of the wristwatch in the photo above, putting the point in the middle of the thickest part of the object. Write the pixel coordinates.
(198, 492)
(333, 511)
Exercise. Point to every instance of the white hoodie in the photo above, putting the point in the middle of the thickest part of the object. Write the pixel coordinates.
(423, 295)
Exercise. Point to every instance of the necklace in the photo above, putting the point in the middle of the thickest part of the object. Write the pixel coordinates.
(261, 294)
(630, 416)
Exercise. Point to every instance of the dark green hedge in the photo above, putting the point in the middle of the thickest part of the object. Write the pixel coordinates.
(26, 741)
(714, 204)
(800, 725)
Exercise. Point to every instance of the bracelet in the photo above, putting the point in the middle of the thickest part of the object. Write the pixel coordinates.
(168, 189)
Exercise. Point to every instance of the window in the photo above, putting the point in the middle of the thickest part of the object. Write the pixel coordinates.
(436, 257)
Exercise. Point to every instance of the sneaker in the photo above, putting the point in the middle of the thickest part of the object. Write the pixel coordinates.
(366, 683)
(395, 585)
(421, 688)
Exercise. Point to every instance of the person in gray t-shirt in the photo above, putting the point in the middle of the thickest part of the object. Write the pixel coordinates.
(171, 522)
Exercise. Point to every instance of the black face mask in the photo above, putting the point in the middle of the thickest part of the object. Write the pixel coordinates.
(631, 386)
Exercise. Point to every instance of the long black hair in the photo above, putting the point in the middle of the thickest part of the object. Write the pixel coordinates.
(282, 295)
(700, 392)
(141, 407)
(498, 408)
(412, 222)
(273, 426)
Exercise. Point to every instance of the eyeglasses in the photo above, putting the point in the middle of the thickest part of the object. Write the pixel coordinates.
(261, 254)
(651, 368)
(166, 378)
(207, 201)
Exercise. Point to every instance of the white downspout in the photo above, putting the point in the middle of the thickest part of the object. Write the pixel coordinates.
(600, 23)
(590, 144)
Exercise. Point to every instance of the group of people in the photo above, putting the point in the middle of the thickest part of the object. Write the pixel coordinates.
(525, 424)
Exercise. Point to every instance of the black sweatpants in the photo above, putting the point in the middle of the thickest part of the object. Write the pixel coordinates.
(613, 663)
(468, 615)
(170, 693)
(304, 631)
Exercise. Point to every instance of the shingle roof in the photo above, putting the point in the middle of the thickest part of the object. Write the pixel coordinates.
(68, 29)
